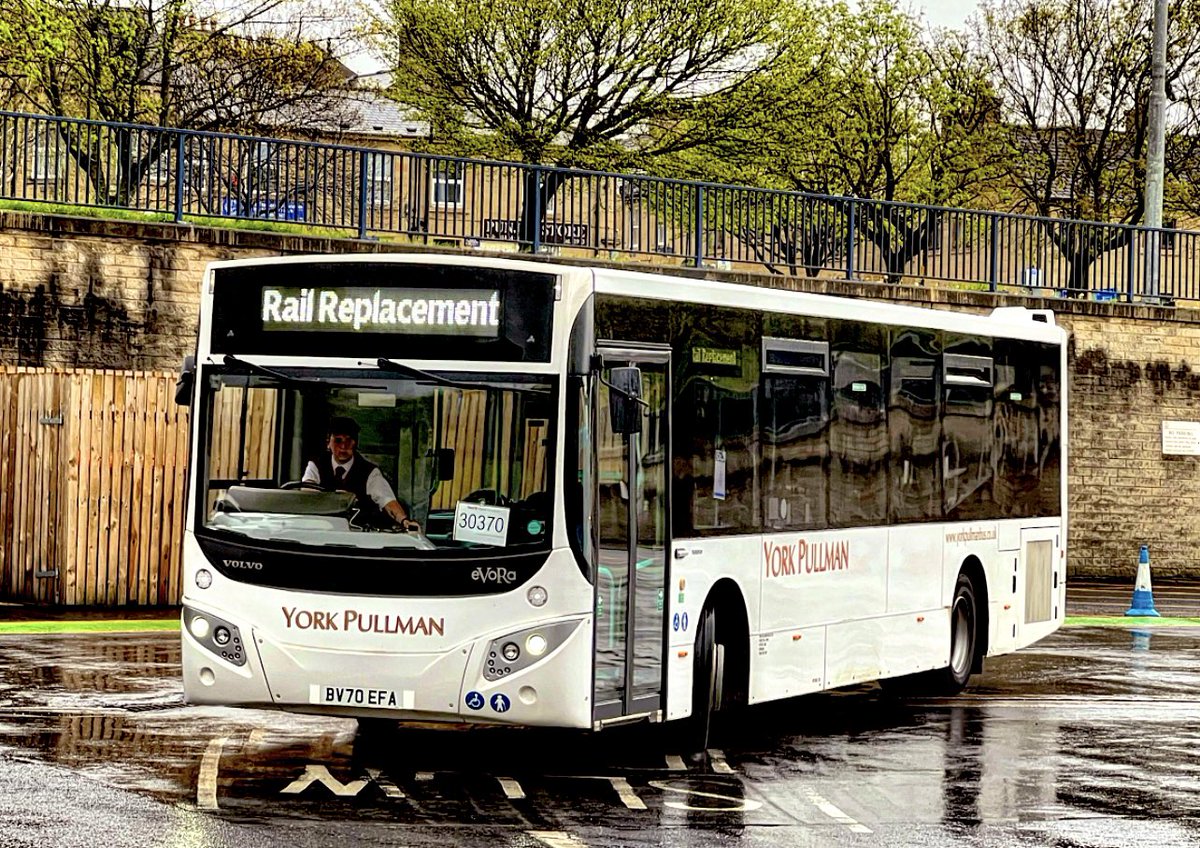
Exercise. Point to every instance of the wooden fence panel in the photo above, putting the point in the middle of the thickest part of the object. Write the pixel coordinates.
(92, 475)
(8, 399)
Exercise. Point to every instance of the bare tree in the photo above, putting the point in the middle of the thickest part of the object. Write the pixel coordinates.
(1075, 78)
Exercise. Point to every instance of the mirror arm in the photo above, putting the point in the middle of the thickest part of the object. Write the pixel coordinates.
(621, 391)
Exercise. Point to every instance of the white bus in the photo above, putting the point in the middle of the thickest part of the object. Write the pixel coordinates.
(639, 496)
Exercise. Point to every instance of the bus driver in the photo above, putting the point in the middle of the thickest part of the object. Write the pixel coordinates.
(344, 469)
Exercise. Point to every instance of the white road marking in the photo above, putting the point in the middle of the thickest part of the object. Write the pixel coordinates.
(385, 783)
(206, 783)
(320, 774)
(256, 737)
(833, 812)
(628, 797)
(556, 839)
(675, 763)
(718, 762)
(512, 789)
(739, 805)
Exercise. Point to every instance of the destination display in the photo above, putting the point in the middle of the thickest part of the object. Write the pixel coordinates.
(382, 310)
(403, 310)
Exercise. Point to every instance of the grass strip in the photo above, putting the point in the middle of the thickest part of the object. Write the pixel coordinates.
(128, 626)
(1128, 621)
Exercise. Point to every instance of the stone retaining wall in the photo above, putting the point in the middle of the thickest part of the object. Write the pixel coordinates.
(80, 292)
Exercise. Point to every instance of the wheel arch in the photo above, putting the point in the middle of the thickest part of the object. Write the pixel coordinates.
(973, 568)
(733, 631)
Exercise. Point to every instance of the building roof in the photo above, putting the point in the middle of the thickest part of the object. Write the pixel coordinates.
(351, 111)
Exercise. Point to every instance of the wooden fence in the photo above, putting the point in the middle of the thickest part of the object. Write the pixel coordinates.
(92, 472)
(93, 467)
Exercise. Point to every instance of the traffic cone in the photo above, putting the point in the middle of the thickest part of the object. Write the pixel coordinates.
(1143, 595)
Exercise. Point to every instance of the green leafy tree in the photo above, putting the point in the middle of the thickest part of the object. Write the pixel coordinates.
(604, 83)
(155, 62)
(888, 113)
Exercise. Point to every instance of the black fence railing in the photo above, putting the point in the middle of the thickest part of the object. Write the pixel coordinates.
(375, 193)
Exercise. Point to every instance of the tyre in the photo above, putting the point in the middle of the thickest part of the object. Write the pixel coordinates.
(964, 637)
(707, 683)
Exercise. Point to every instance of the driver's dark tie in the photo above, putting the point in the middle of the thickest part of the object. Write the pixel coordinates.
(339, 473)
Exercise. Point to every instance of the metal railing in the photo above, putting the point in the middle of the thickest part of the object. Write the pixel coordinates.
(186, 175)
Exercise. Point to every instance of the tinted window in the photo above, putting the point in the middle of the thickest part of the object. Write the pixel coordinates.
(915, 426)
(716, 386)
(967, 381)
(858, 435)
(1026, 429)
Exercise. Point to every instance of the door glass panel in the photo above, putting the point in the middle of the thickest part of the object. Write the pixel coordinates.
(631, 506)
(650, 490)
(612, 574)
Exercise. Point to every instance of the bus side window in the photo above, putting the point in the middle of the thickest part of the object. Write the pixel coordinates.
(858, 433)
(914, 426)
(968, 378)
(794, 417)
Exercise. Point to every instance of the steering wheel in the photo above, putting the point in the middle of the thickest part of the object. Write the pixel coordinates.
(305, 484)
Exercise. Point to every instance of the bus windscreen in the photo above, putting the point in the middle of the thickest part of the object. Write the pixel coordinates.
(315, 458)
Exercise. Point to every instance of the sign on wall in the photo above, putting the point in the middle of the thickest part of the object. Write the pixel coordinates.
(552, 232)
(1181, 438)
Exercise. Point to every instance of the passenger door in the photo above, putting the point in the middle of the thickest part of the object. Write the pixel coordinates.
(633, 530)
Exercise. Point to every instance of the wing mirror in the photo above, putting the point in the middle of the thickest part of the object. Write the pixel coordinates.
(444, 462)
(185, 381)
(625, 400)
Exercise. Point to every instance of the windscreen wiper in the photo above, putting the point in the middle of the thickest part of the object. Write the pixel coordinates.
(232, 361)
(426, 377)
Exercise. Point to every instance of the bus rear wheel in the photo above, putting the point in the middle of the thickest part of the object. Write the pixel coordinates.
(964, 635)
(964, 640)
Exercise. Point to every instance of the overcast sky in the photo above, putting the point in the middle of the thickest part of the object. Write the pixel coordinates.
(951, 13)
(946, 12)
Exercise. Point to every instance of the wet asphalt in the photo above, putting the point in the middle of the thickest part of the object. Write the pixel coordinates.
(1089, 738)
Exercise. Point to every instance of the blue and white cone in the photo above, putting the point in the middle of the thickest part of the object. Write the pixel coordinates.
(1143, 595)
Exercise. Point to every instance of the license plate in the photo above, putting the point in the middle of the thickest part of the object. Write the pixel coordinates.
(359, 696)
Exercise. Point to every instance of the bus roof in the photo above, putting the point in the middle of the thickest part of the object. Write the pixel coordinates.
(1012, 322)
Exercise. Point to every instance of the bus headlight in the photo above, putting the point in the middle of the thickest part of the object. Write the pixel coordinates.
(504, 656)
(216, 636)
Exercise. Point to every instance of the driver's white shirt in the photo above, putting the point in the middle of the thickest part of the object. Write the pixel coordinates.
(377, 487)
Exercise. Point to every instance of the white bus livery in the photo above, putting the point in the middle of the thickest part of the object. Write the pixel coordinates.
(637, 496)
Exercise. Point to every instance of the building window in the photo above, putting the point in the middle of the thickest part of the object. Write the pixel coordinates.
(197, 165)
(45, 161)
(447, 183)
(379, 179)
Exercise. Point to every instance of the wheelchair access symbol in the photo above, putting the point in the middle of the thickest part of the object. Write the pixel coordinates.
(474, 700)
(500, 703)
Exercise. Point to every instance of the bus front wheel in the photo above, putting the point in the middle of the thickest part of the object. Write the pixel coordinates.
(708, 680)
